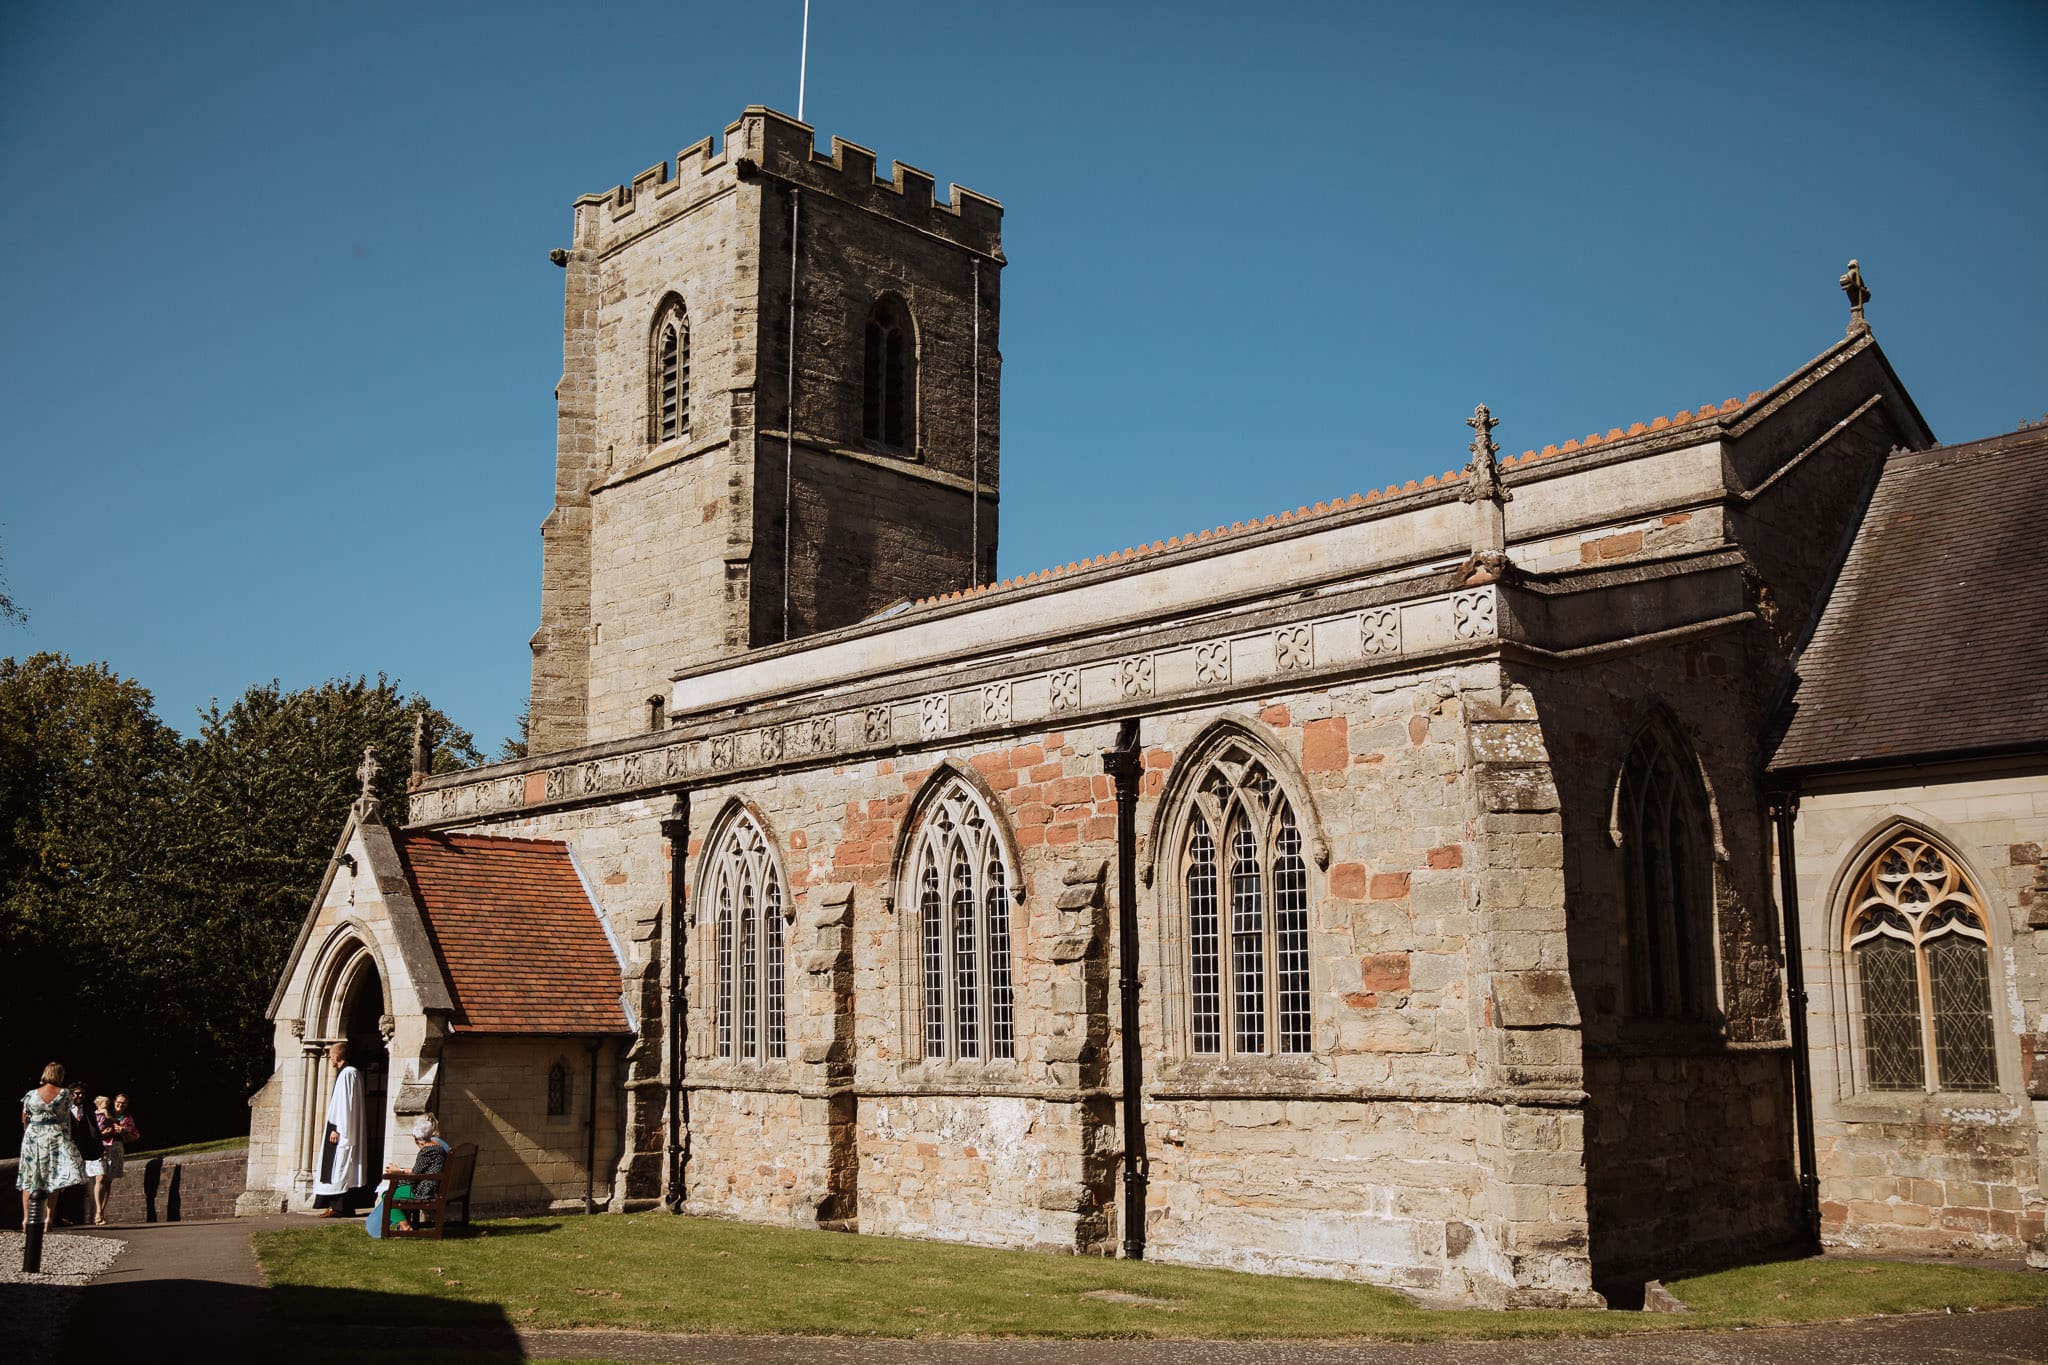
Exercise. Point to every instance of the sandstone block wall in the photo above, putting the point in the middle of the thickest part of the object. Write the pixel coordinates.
(1437, 1136)
(194, 1188)
(664, 554)
(1944, 1172)
(494, 1092)
(1690, 1154)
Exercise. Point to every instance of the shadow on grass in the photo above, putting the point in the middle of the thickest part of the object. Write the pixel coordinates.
(206, 1320)
(520, 1229)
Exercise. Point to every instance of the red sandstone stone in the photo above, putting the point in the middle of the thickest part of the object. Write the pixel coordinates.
(1326, 745)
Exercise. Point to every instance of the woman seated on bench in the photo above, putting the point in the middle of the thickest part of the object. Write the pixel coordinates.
(433, 1156)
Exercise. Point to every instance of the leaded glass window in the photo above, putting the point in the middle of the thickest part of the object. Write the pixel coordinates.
(1666, 847)
(1916, 937)
(1251, 995)
(746, 895)
(961, 884)
(668, 372)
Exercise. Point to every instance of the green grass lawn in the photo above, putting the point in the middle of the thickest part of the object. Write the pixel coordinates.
(191, 1148)
(654, 1272)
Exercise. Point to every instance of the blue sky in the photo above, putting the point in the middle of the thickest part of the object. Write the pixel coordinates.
(278, 332)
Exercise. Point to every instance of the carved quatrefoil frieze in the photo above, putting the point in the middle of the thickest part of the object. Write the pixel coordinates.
(1212, 662)
(1472, 615)
(1294, 647)
(723, 749)
(1064, 688)
(1134, 676)
(773, 742)
(1379, 631)
(824, 734)
(877, 725)
(933, 715)
(995, 703)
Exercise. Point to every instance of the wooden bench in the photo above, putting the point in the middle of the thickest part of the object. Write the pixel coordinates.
(453, 1189)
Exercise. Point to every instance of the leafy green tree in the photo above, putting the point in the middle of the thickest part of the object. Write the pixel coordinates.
(150, 887)
(267, 786)
(515, 747)
(89, 913)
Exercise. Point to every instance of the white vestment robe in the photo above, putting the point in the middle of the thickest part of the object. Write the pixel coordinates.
(339, 1167)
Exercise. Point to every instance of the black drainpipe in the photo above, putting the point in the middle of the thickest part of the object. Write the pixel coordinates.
(1123, 764)
(676, 829)
(590, 1132)
(1784, 811)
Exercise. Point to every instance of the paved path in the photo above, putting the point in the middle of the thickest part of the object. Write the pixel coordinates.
(191, 1291)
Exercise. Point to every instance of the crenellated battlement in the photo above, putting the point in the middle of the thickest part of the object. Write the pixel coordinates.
(780, 149)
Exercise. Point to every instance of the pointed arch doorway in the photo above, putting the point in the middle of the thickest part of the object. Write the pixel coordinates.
(352, 1005)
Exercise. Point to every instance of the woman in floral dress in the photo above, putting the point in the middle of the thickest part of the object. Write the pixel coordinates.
(49, 1158)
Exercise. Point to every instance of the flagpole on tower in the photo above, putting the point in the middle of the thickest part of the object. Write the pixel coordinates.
(803, 61)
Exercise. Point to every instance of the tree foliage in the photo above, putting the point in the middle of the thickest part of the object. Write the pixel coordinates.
(150, 887)
(9, 610)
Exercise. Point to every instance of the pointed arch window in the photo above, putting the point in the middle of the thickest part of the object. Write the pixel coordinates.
(1666, 842)
(1246, 899)
(1916, 935)
(960, 884)
(889, 375)
(749, 1019)
(668, 370)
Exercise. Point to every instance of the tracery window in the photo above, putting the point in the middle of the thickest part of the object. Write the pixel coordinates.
(1916, 934)
(1246, 895)
(668, 406)
(889, 374)
(558, 1091)
(959, 882)
(1666, 844)
(746, 901)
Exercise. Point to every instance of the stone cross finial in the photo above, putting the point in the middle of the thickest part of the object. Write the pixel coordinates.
(367, 808)
(1859, 294)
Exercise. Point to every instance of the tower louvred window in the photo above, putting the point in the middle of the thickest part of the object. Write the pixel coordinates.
(888, 375)
(1245, 890)
(960, 885)
(1917, 939)
(746, 898)
(669, 371)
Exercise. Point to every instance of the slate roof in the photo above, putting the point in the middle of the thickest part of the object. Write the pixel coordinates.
(1934, 640)
(519, 941)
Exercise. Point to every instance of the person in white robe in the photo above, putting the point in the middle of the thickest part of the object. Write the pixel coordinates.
(343, 1165)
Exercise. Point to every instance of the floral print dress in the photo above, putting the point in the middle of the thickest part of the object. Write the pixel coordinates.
(49, 1158)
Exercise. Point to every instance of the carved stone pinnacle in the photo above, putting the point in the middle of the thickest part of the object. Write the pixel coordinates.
(1482, 481)
(422, 746)
(1859, 294)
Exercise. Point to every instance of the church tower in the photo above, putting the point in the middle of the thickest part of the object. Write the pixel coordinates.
(778, 414)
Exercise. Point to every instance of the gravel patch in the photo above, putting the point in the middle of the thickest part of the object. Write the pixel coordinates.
(34, 1309)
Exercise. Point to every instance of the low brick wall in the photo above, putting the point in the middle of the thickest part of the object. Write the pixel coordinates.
(160, 1189)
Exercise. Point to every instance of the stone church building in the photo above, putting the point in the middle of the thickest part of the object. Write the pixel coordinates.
(1387, 889)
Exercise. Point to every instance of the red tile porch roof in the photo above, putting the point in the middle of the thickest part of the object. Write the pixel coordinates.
(522, 947)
